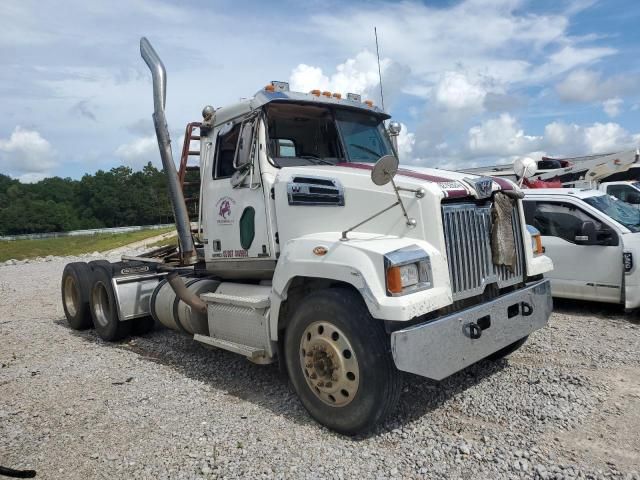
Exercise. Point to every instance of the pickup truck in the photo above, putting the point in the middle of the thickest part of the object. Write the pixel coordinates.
(593, 240)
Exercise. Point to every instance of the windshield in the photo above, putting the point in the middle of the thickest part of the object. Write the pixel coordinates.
(313, 134)
(618, 210)
(363, 136)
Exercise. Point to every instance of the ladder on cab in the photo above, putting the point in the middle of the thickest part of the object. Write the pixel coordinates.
(189, 173)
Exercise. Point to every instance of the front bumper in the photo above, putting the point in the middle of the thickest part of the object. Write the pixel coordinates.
(442, 347)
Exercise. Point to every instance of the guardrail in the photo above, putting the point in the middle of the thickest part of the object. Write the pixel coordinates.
(92, 231)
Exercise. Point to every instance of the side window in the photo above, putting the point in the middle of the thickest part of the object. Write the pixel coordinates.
(621, 192)
(559, 219)
(225, 151)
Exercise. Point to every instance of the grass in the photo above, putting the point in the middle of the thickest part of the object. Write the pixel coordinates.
(63, 246)
(161, 243)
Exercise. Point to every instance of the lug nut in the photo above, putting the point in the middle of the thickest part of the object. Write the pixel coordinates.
(313, 376)
(328, 384)
(321, 384)
(308, 364)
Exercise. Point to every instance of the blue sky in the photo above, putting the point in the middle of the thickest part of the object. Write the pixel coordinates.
(473, 82)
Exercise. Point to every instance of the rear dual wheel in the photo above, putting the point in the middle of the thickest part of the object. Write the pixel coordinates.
(104, 308)
(76, 290)
(339, 362)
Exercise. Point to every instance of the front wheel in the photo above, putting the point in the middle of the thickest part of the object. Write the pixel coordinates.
(339, 361)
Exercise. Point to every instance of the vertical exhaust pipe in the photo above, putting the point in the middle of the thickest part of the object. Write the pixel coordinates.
(188, 255)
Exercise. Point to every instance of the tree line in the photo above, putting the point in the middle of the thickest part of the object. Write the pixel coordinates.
(119, 197)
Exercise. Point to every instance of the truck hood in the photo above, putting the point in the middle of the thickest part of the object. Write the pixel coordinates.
(452, 184)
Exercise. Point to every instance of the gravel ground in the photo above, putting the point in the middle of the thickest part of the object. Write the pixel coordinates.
(567, 405)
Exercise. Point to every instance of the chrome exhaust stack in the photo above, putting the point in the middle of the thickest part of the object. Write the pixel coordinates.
(188, 254)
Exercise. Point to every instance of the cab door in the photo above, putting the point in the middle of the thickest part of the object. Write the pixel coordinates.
(580, 270)
(234, 211)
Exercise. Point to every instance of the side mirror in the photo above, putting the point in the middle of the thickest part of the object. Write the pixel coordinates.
(525, 167)
(384, 170)
(586, 235)
(244, 149)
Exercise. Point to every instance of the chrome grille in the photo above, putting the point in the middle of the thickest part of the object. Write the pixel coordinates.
(467, 234)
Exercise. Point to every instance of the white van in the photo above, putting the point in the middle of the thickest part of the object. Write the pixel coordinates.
(593, 240)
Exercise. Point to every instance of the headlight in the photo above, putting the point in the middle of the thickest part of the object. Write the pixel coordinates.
(536, 241)
(407, 270)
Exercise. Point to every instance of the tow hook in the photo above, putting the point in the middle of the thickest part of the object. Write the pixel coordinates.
(474, 330)
(526, 309)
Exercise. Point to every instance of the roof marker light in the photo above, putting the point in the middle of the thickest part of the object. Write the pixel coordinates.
(326, 94)
(315, 92)
(270, 88)
(337, 95)
(369, 102)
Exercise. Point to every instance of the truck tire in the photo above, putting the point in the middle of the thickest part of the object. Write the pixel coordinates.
(100, 263)
(508, 350)
(339, 361)
(104, 309)
(76, 290)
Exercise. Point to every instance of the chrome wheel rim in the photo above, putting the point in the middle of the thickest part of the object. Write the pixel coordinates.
(101, 305)
(329, 364)
(71, 296)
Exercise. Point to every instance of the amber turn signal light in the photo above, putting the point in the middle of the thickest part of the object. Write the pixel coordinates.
(394, 281)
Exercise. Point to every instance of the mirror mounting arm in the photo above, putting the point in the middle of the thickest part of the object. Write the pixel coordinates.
(411, 222)
(344, 237)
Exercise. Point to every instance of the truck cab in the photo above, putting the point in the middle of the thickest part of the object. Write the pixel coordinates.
(593, 240)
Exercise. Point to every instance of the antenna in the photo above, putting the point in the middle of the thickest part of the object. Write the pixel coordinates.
(375, 32)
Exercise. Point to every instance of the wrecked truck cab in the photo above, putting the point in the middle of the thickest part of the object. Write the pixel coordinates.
(312, 247)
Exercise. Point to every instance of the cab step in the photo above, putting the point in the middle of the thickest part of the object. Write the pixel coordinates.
(251, 299)
(249, 352)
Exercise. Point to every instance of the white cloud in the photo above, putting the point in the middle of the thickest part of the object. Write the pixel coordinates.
(356, 75)
(503, 139)
(455, 91)
(140, 151)
(607, 137)
(406, 141)
(612, 106)
(26, 151)
(570, 57)
(500, 136)
(585, 85)
(497, 38)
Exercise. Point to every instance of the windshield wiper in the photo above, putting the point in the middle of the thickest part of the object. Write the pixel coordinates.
(315, 160)
(368, 150)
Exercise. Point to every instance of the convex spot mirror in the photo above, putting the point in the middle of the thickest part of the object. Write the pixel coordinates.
(384, 170)
(525, 167)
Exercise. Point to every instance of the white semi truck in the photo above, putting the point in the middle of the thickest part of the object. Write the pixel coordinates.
(315, 250)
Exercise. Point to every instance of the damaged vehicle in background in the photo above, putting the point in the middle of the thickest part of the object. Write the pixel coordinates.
(593, 240)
